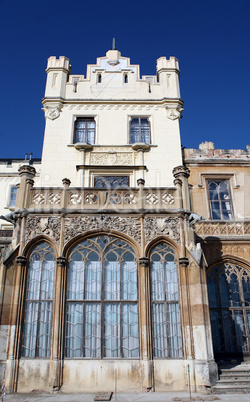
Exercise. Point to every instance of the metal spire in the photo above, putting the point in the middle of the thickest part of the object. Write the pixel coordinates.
(113, 44)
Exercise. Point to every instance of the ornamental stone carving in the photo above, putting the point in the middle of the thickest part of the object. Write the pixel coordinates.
(52, 114)
(174, 114)
(79, 224)
(114, 158)
(49, 226)
(155, 227)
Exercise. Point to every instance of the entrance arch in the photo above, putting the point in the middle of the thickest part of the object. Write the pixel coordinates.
(229, 303)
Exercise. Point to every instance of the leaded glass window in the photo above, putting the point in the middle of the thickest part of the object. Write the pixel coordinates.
(139, 130)
(111, 181)
(85, 131)
(220, 200)
(39, 302)
(229, 301)
(102, 300)
(167, 339)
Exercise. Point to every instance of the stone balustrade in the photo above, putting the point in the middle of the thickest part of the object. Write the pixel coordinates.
(222, 228)
(92, 198)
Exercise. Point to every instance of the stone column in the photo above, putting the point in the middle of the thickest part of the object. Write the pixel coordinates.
(66, 184)
(55, 379)
(183, 173)
(145, 323)
(15, 326)
(141, 183)
(26, 173)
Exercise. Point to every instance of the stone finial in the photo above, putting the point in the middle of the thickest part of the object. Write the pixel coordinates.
(180, 171)
(27, 170)
(206, 145)
(66, 182)
(140, 182)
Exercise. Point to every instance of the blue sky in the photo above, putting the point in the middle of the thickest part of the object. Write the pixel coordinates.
(210, 39)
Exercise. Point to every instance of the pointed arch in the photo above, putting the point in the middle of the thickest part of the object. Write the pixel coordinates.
(38, 302)
(228, 281)
(102, 298)
(166, 319)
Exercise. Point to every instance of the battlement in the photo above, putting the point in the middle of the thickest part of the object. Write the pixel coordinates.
(165, 64)
(62, 63)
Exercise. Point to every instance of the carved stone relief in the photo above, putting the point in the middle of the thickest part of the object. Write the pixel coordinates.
(168, 226)
(113, 158)
(218, 250)
(80, 224)
(49, 226)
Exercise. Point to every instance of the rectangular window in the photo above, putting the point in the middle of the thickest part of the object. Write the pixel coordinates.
(139, 130)
(111, 181)
(12, 200)
(84, 131)
(220, 200)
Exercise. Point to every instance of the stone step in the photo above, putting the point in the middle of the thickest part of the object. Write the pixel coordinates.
(235, 373)
(231, 389)
(224, 382)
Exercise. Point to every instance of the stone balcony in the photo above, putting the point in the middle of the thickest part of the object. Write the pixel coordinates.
(223, 228)
(103, 199)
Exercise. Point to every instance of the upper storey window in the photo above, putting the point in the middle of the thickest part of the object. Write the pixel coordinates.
(85, 130)
(220, 199)
(12, 199)
(139, 130)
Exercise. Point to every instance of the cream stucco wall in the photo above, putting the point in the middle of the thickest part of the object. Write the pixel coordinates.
(112, 103)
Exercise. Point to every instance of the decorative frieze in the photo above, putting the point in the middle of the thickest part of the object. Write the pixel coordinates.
(155, 227)
(80, 224)
(114, 158)
(49, 226)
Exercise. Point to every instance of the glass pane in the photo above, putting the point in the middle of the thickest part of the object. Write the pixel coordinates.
(13, 192)
(30, 329)
(157, 284)
(44, 333)
(171, 281)
(159, 330)
(217, 331)
(214, 300)
(92, 329)
(111, 330)
(112, 280)
(239, 329)
(246, 290)
(130, 338)
(47, 282)
(224, 291)
(34, 280)
(234, 285)
(75, 280)
(74, 329)
(230, 344)
(129, 280)
(174, 330)
(93, 280)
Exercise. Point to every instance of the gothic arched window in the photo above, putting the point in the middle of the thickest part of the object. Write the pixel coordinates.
(229, 302)
(167, 340)
(39, 302)
(102, 300)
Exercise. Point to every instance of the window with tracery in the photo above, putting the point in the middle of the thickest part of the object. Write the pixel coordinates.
(102, 300)
(39, 302)
(111, 181)
(167, 339)
(229, 301)
(220, 199)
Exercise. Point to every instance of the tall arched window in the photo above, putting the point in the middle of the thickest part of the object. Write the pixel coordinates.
(229, 301)
(39, 302)
(167, 340)
(102, 300)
